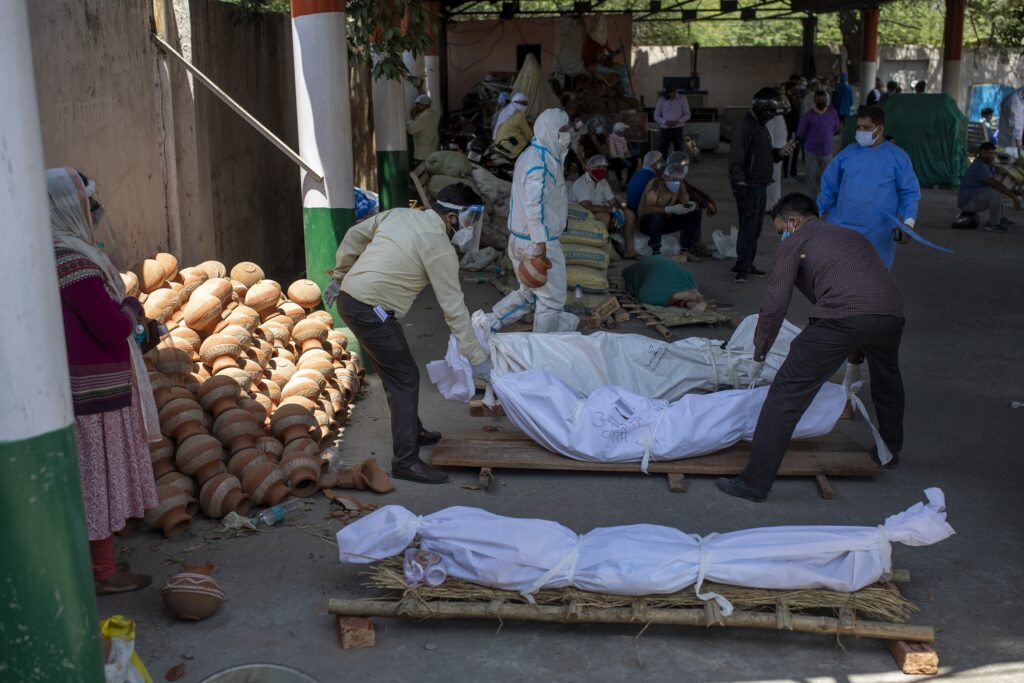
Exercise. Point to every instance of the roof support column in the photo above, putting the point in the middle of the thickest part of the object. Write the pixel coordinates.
(808, 68)
(953, 45)
(869, 51)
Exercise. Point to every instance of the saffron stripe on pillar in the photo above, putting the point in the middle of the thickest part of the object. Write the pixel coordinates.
(952, 48)
(389, 133)
(325, 130)
(49, 629)
(869, 51)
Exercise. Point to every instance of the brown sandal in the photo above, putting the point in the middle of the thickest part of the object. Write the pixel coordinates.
(122, 582)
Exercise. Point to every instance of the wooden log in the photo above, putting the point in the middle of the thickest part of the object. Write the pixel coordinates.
(356, 632)
(624, 615)
(914, 658)
(824, 487)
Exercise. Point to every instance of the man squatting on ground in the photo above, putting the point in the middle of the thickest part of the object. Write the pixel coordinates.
(382, 266)
(857, 307)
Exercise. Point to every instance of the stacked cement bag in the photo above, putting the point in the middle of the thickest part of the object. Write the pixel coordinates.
(496, 193)
(584, 243)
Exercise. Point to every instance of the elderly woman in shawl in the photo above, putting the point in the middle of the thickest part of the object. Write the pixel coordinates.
(109, 386)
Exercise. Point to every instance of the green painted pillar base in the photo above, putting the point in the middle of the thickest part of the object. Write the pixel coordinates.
(324, 229)
(393, 179)
(49, 629)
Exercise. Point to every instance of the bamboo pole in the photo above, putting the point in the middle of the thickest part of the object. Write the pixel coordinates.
(623, 615)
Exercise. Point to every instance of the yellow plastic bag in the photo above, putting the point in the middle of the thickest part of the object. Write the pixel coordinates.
(123, 664)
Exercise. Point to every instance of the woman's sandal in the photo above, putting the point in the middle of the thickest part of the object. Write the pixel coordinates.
(122, 582)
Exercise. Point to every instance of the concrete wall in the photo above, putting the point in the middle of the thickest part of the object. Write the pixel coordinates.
(475, 48)
(96, 81)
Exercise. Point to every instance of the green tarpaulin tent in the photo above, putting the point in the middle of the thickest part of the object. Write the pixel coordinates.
(932, 130)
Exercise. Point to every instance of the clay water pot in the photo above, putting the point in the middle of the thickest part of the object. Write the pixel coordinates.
(301, 473)
(259, 355)
(335, 395)
(200, 456)
(171, 514)
(294, 312)
(266, 406)
(161, 454)
(305, 293)
(161, 304)
(181, 418)
(309, 404)
(265, 483)
(287, 353)
(262, 296)
(202, 312)
(161, 388)
(192, 595)
(218, 394)
(244, 316)
(240, 334)
(322, 317)
(220, 351)
(301, 445)
(313, 376)
(318, 363)
(270, 389)
(223, 494)
(238, 290)
(191, 278)
(300, 386)
(150, 275)
(251, 368)
(219, 287)
(236, 429)
(247, 272)
(131, 284)
(244, 459)
(281, 370)
(190, 337)
(290, 422)
(275, 333)
(310, 334)
(337, 352)
(256, 408)
(169, 264)
(214, 269)
(349, 382)
(271, 446)
(241, 377)
(175, 362)
(184, 482)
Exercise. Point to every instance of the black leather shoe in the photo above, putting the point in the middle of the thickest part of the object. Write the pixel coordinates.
(892, 464)
(734, 487)
(426, 438)
(419, 472)
(756, 271)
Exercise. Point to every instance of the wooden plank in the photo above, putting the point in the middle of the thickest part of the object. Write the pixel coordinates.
(677, 482)
(914, 658)
(824, 487)
(833, 455)
(477, 408)
(606, 307)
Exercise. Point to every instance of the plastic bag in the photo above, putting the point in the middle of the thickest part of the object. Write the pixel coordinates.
(726, 245)
(123, 664)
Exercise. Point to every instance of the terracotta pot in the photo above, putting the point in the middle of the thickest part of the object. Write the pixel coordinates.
(281, 370)
(192, 595)
(244, 459)
(270, 389)
(161, 454)
(290, 422)
(305, 293)
(213, 268)
(325, 366)
(131, 284)
(170, 515)
(265, 483)
(219, 287)
(244, 316)
(239, 290)
(183, 482)
(223, 494)
(349, 382)
(301, 473)
(200, 456)
(169, 265)
(335, 395)
(190, 278)
(161, 304)
(300, 386)
(241, 335)
(294, 311)
(220, 351)
(174, 362)
(251, 368)
(241, 377)
(322, 317)
(190, 337)
(301, 445)
(311, 375)
(218, 394)
(271, 446)
(236, 429)
(275, 333)
(366, 476)
(181, 418)
(310, 334)
(309, 404)
(202, 312)
(256, 408)
(262, 296)
(247, 272)
(336, 351)
(150, 274)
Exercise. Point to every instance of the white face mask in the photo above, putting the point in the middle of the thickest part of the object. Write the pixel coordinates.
(866, 138)
(564, 139)
(462, 238)
(600, 130)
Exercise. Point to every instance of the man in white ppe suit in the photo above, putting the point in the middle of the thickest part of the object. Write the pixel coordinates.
(538, 211)
(1011, 123)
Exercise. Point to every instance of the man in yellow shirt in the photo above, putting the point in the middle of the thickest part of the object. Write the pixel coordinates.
(382, 266)
(422, 126)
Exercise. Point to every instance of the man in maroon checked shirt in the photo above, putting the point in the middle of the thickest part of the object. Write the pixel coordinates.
(857, 308)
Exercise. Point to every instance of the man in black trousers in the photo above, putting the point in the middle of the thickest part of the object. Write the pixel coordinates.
(857, 308)
(751, 164)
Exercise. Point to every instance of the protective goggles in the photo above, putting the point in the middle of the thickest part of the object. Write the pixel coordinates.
(470, 217)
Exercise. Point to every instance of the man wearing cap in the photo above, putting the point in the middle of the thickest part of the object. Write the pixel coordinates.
(422, 126)
(671, 112)
(592, 191)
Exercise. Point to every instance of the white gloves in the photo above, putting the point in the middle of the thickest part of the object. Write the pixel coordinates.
(675, 209)
(756, 368)
(851, 376)
(483, 370)
(330, 294)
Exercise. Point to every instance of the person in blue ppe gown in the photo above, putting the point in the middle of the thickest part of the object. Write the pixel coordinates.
(871, 187)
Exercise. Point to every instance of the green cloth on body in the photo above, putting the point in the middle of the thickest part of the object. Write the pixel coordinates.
(656, 278)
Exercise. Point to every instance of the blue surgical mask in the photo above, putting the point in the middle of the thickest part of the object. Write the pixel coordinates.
(866, 138)
(672, 185)
(784, 235)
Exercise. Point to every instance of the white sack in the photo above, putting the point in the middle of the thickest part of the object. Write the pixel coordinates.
(725, 245)
(613, 424)
(527, 555)
(453, 375)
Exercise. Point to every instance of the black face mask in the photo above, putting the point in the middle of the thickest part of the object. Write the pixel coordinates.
(820, 104)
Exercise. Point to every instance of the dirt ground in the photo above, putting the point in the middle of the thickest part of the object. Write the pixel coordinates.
(963, 364)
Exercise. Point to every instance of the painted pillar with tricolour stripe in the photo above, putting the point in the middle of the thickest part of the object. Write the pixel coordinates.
(431, 65)
(952, 48)
(389, 132)
(869, 52)
(325, 130)
(415, 83)
(49, 630)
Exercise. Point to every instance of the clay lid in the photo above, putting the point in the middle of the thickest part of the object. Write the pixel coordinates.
(217, 286)
(294, 311)
(243, 335)
(150, 274)
(305, 293)
(300, 386)
(263, 295)
(201, 311)
(217, 388)
(247, 272)
(131, 283)
(323, 317)
(161, 304)
(241, 377)
(213, 268)
(217, 345)
(309, 329)
(169, 264)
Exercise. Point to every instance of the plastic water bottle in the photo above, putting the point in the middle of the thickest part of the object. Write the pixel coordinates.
(577, 300)
(139, 333)
(274, 515)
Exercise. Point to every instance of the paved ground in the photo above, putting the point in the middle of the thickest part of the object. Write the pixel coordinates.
(963, 363)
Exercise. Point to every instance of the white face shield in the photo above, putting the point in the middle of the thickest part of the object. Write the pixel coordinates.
(471, 222)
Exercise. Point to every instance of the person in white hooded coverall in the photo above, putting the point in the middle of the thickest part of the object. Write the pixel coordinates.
(538, 211)
(1011, 122)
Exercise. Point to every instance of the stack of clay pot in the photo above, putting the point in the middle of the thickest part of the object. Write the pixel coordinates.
(251, 384)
